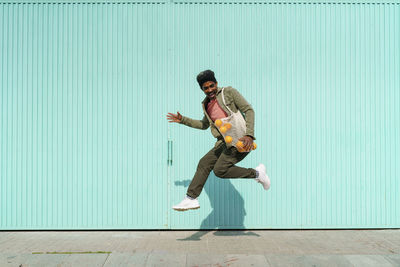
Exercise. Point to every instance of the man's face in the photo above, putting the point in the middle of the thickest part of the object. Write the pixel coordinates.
(210, 89)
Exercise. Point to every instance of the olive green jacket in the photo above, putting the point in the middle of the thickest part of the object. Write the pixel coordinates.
(235, 101)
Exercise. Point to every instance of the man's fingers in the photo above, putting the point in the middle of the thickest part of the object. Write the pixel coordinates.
(172, 119)
(170, 115)
(247, 146)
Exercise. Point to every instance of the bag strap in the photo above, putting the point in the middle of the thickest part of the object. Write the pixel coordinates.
(223, 99)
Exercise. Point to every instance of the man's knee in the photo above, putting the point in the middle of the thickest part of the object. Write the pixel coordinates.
(220, 171)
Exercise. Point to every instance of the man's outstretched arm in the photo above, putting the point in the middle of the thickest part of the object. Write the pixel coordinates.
(198, 124)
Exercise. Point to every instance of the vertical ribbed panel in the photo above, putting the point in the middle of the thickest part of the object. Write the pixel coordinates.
(85, 89)
(77, 99)
(324, 82)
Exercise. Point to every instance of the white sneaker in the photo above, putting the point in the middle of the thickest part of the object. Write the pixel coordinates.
(263, 177)
(187, 204)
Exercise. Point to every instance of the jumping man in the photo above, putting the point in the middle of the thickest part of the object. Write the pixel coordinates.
(221, 159)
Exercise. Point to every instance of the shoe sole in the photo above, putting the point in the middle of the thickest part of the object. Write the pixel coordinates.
(267, 181)
(269, 184)
(187, 209)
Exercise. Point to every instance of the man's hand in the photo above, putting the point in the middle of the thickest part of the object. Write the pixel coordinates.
(174, 117)
(247, 142)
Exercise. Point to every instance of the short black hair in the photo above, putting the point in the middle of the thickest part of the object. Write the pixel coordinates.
(205, 76)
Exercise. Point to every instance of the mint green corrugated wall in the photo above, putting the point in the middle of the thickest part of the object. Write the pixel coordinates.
(85, 88)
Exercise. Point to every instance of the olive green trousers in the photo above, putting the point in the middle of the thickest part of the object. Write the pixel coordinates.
(222, 161)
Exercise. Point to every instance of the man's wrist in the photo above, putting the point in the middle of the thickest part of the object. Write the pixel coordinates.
(250, 136)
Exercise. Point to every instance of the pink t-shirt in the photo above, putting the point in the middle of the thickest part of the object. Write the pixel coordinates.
(215, 111)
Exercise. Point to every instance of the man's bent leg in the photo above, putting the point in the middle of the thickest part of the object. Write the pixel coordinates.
(225, 165)
(205, 166)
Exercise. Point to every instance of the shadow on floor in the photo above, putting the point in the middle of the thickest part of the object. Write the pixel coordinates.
(227, 209)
